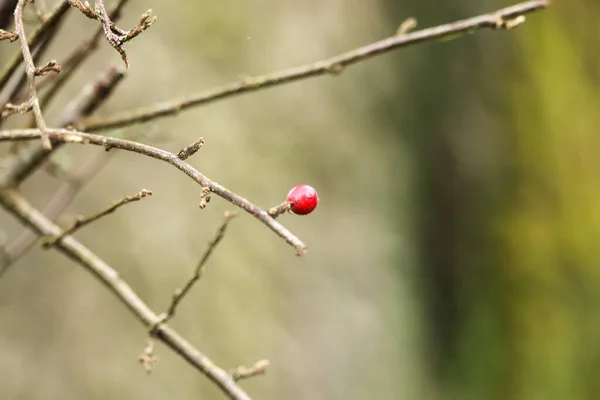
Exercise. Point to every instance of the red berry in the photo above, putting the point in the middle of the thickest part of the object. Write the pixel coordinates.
(304, 199)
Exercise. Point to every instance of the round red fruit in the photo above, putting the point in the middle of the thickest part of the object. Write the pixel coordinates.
(304, 199)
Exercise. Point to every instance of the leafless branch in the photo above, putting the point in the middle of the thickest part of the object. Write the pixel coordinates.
(15, 87)
(500, 19)
(56, 15)
(51, 66)
(68, 136)
(115, 36)
(180, 293)
(30, 70)
(74, 60)
(18, 206)
(20, 166)
(80, 221)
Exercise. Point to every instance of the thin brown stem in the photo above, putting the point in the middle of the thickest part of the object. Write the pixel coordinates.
(180, 293)
(39, 34)
(501, 19)
(30, 70)
(68, 136)
(74, 60)
(18, 167)
(17, 205)
(115, 36)
(80, 221)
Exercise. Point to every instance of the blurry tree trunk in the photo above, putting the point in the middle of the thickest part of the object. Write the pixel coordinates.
(508, 198)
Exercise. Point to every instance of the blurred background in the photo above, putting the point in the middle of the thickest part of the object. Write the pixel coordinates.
(454, 253)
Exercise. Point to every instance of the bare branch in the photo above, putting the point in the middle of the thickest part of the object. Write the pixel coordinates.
(80, 221)
(68, 136)
(180, 293)
(15, 87)
(242, 372)
(332, 66)
(18, 206)
(30, 70)
(19, 167)
(53, 20)
(115, 36)
(74, 60)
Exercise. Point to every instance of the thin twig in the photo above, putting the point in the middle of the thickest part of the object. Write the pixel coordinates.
(180, 293)
(74, 60)
(115, 36)
(19, 166)
(57, 204)
(18, 206)
(68, 136)
(80, 221)
(500, 19)
(13, 90)
(39, 34)
(30, 70)
(242, 372)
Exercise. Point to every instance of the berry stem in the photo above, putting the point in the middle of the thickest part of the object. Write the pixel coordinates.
(276, 211)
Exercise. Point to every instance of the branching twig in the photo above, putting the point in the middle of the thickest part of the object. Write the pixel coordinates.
(54, 18)
(18, 206)
(502, 19)
(80, 221)
(30, 70)
(13, 90)
(19, 167)
(68, 136)
(180, 293)
(51, 66)
(115, 36)
(74, 60)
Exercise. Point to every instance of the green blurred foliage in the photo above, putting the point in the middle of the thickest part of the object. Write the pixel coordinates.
(452, 255)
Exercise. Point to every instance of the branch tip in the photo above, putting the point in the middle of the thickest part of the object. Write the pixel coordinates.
(81, 221)
(180, 293)
(242, 372)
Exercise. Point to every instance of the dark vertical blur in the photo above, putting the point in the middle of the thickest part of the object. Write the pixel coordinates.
(6, 12)
(503, 128)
